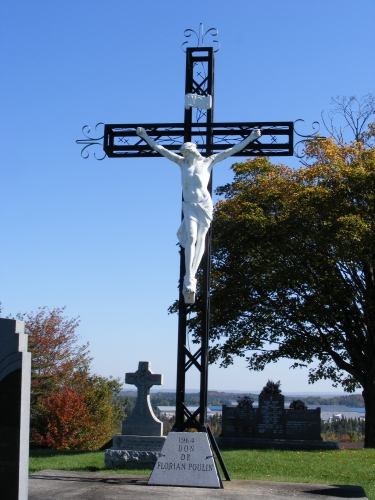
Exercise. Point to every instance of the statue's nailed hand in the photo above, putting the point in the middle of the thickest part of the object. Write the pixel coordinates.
(141, 131)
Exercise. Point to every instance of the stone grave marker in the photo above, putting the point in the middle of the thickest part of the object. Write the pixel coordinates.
(15, 376)
(272, 425)
(142, 421)
(186, 460)
(271, 416)
(142, 437)
(238, 422)
(303, 424)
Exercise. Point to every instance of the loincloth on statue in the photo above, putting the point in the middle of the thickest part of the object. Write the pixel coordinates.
(200, 212)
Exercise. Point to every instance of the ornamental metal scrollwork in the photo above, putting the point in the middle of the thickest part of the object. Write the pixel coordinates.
(90, 141)
(298, 153)
(200, 36)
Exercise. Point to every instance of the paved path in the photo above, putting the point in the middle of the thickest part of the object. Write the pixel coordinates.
(61, 485)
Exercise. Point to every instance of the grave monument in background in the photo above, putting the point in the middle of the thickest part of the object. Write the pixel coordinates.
(271, 425)
(15, 379)
(270, 421)
(142, 437)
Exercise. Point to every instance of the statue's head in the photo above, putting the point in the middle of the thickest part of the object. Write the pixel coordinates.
(189, 147)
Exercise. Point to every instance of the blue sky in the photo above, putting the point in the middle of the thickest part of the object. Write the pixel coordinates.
(99, 237)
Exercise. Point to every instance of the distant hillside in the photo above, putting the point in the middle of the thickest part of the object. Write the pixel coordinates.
(217, 398)
(351, 400)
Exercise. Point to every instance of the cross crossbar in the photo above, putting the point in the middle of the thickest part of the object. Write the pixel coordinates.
(122, 141)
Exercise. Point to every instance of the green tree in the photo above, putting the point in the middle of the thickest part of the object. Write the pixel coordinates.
(293, 266)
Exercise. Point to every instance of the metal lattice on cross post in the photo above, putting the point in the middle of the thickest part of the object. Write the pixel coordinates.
(122, 141)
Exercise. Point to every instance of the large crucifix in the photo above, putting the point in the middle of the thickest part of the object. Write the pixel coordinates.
(195, 145)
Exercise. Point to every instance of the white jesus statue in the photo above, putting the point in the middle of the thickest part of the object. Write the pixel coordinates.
(197, 202)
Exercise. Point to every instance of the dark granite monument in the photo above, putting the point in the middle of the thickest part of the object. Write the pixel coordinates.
(302, 424)
(271, 426)
(271, 417)
(239, 422)
(15, 375)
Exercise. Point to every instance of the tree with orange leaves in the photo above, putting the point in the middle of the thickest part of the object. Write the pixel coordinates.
(65, 421)
(70, 408)
(56, 356)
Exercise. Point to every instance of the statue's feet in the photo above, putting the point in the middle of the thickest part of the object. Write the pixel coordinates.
(188, 290)
(190, 285)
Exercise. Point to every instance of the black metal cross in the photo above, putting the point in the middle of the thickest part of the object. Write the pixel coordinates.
(121, 141)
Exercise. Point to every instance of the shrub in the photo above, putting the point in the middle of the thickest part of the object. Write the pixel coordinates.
(272, 387)
(297, 404)
(245, 402)
(345, 438)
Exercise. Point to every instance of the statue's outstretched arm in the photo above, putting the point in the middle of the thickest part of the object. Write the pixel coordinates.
(157, 147)
(255, 134)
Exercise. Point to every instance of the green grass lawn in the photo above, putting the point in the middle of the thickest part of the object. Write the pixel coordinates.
(354, 467)
(350, 467)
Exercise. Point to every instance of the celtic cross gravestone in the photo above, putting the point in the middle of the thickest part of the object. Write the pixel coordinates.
(142, 433)
(142, 421)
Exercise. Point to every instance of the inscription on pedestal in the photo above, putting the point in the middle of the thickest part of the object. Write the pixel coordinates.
(186, 460)
(139, 443)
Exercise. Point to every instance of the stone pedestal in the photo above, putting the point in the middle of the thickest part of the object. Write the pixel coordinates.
(141, 449)
(186, 460)
(15, 374)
